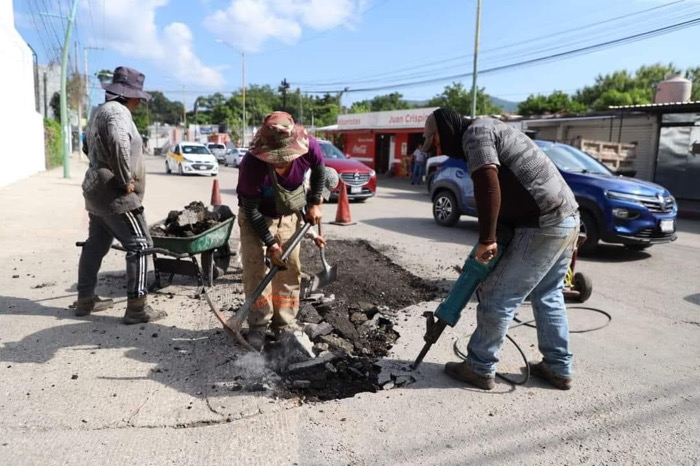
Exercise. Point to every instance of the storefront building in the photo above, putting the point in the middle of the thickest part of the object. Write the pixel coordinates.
(381, 140)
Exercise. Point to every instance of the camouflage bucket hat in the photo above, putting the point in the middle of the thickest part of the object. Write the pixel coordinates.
(280, 140)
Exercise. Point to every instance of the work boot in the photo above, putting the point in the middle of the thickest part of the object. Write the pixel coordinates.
(84, 306)
(463, 372)
(256, 337)
(541, 370)
(139, 312)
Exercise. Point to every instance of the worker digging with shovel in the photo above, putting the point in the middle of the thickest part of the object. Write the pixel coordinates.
(271, 196)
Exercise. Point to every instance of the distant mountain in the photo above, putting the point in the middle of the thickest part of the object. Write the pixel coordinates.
(507, 105)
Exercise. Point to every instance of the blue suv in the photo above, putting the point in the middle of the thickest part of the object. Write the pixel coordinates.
(614, 209)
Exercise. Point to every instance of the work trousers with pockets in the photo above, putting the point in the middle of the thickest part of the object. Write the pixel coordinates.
(279, 303)
(534, 263)
(131, 231)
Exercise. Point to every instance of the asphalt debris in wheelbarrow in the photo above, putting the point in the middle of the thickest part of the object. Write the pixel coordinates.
(194, 219)
(361, 308)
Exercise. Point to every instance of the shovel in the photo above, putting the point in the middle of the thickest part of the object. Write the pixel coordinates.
(234, 323)
(328, 275)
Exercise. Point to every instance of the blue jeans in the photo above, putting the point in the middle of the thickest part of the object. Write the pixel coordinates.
(534, 263)
(418, 172)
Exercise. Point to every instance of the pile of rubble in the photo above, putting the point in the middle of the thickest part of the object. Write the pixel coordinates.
(194, 219)
(347, 342)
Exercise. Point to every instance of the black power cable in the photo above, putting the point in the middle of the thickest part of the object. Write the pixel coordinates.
(529, 323)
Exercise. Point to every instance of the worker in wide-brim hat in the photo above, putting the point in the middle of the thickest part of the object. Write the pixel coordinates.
(271, 195)
(113, 189)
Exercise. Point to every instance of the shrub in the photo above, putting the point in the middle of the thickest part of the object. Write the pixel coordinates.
(53, 149)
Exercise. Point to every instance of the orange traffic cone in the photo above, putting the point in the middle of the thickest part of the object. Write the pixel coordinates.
(215, 194)
(342, 215)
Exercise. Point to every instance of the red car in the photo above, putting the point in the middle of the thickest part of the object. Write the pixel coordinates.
(361, 181)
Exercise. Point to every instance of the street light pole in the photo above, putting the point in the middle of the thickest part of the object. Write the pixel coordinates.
(245, 119)
(476, 56)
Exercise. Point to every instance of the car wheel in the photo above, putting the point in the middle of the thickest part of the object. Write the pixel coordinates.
(589, 226)
(180, 170)
(225, 164)
(584, 285)
(445, 209)
(637, 247)
(167, 168)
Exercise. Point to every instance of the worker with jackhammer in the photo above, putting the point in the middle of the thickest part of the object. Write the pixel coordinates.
(113, 189)
(271, 194)
(518, 188)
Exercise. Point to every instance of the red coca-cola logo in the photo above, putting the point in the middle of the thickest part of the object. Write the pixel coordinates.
(359, 149)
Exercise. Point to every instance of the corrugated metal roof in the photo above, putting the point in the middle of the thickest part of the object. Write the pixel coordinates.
(659, 107)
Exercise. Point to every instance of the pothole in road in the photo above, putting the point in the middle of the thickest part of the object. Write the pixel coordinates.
(351, 324)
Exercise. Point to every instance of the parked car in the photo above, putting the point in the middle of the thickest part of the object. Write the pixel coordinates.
(361, 181)
(614, 208)
(218, 150)
(432, 165)
(234, 156)
(191, 158)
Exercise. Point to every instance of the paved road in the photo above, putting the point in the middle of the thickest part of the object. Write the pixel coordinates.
(78, 391)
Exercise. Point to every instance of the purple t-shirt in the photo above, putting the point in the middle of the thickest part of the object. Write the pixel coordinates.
(254, 180)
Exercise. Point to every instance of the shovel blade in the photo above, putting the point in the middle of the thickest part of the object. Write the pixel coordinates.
(324, 278)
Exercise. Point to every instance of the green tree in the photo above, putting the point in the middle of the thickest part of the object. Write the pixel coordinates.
(380, 103)
(104, 76)
(693, 74)
(556, 102)
(164, 110)
(456, 97)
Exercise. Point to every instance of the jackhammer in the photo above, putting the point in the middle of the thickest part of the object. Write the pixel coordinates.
(474, 272)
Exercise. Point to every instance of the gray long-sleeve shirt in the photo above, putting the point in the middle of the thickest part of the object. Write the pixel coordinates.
(114, 148)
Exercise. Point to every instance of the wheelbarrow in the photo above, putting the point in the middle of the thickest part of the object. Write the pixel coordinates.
(211, 244)
(180, 257)
(180, 254)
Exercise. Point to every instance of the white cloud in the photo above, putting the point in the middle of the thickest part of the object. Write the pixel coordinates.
(130, 29)
(250, 23)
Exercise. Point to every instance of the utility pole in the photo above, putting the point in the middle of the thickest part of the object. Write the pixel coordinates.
(46, 100)
(245, 118)
(284, 85)
(476, 56)
(87, 81)
(80, 104)
(65, 124)
(301, 108)
(184, 113)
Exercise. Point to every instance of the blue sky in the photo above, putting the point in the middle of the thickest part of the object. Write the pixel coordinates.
(333, 44)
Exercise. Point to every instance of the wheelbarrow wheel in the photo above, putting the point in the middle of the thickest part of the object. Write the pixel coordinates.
(584, 285)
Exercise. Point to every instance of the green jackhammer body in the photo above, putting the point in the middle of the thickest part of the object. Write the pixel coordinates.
(448, 312)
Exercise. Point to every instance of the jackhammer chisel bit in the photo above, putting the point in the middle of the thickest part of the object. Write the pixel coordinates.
(448, 312)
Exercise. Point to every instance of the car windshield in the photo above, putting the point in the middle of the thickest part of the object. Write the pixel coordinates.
(216, 146)
(195, 150)
(331, 152)
(570, 159)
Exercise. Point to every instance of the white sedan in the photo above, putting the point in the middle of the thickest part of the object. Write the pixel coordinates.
(234, 156)
(191, 158)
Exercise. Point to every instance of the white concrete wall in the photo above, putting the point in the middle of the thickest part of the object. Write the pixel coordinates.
(22, 151)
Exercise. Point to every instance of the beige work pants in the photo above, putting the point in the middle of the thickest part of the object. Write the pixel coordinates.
(279, 302)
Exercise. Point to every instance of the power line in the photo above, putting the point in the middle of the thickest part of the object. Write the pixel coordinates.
(533, 61)
(489, 57)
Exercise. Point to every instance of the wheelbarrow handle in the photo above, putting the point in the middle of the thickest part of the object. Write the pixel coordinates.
(146, 251)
